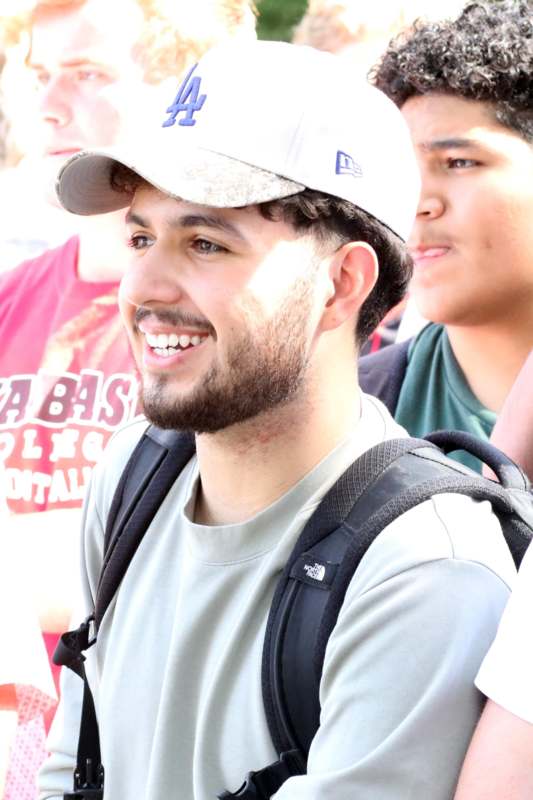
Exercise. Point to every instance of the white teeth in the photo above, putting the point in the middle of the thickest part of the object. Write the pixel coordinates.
(164, 353)
(167, 344)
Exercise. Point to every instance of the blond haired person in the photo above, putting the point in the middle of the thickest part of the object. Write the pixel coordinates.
(98, 68)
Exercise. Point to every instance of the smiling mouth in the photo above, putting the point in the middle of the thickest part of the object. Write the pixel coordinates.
(166, 345)
(428, 253)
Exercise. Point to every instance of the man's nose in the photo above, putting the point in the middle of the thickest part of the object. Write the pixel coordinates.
(55, 103)
(149, 281)
(431, 206)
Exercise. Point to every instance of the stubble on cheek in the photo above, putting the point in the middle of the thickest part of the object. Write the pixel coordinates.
(263, 367)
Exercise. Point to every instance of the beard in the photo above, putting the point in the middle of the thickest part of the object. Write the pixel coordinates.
(265, 368)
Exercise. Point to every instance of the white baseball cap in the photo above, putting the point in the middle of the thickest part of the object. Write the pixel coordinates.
(257, 121)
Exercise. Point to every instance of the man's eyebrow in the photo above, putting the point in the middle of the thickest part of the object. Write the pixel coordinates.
(70, 63)
(452, 143)
(207, 221)
(135, 219)
(190, 221)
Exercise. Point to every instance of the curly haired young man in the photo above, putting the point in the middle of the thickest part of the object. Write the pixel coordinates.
(465, 88)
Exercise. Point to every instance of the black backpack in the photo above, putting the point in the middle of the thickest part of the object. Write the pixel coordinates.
(385, 482)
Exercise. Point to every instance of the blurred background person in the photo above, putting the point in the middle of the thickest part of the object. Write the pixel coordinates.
(27, 689)
(359, 33)
(499, 762)
(465, 89)
(89, 69)
(513, 432)
(30, 223)
(2, 119)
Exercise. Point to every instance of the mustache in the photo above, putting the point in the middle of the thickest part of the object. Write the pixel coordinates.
(174, 317)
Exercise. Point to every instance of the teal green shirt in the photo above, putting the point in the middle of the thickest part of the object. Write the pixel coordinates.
(435, 393)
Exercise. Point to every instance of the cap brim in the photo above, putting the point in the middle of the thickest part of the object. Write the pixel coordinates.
(84, 184)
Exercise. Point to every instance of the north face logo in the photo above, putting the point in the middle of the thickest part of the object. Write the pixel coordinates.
(316, 571)
(319, 574)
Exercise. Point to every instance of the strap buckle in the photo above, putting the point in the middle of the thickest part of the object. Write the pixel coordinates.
(69, 649)
(90, 785)
(87, 632)
(264, 783)
(247, 790)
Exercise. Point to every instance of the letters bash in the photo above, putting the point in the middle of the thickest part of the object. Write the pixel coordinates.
(54, 400)
(53, 429)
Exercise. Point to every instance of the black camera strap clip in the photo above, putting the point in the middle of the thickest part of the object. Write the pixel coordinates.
(88, 782)
(264, 783)
(89, 772)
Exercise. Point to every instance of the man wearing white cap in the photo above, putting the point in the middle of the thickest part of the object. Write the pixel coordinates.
(266, 216)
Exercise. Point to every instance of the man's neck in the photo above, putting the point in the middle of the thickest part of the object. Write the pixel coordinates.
(103, 255)
(249, 466)
(491, 357)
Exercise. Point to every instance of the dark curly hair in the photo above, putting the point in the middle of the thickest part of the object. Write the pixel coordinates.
(333, 222)
(485, 54)
(336, 222)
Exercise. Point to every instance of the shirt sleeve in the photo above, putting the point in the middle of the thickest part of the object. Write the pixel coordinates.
(398, 700)
(505, 675)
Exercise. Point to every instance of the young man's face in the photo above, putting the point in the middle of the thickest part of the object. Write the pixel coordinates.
(473, 238)
(88, 83)
(220, 308)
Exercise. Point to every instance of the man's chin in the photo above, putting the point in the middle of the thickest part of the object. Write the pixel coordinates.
(163, 412)
(189, 414)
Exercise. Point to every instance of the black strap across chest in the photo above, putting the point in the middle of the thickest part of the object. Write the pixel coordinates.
(384, 483)
(156, 462)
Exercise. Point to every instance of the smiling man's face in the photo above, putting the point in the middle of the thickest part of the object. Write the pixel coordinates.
(88, 82)
(220, 309)
(472, 242)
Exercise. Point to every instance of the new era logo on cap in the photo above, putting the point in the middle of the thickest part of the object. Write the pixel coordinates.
(244, 129)
(347, 166)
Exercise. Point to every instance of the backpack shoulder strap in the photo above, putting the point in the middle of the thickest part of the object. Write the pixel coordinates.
(381, 374)
(384, 483)
(152, 469)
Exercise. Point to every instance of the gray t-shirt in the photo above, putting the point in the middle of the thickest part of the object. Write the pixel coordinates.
(176, 672)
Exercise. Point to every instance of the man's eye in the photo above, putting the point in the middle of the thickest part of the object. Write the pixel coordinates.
(139, 241)
(42, 78)
(461, 163)
(89, 75)
(206, 247)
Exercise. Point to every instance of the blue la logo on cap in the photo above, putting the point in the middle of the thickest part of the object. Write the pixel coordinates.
(187, 100)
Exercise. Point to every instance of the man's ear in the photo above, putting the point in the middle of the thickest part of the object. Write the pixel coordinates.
(353, 272)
